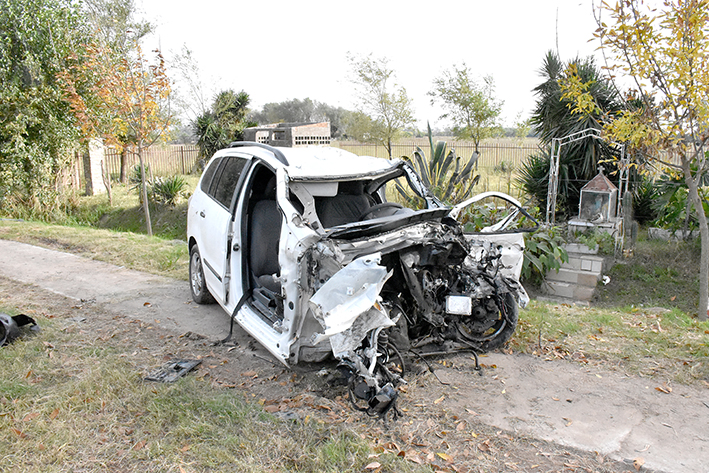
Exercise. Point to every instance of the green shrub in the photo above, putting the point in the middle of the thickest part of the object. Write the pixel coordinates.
(604, 241)
(166, 190)
(450, 178)
(643, 197)
(543, 252)
(670, 202)
(479, 216)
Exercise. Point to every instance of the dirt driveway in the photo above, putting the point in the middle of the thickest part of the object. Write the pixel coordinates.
(546, 409)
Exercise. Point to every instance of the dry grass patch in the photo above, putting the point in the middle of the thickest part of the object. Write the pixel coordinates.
(73, 399)
(656, 342)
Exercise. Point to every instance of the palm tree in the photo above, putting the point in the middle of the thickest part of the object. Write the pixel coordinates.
(223, 123)
(553, 118)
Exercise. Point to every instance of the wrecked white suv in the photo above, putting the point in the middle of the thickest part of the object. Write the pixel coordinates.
(302, 249)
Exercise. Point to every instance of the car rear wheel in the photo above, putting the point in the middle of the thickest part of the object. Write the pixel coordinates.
(198, 286)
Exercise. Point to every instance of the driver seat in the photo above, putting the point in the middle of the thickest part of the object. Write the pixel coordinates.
(265, 232)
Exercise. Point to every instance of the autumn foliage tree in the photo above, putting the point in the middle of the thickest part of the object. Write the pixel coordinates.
(664, 54)
(113, 98)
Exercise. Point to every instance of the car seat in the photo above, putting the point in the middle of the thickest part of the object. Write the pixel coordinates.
(265, 233)
(347, 206)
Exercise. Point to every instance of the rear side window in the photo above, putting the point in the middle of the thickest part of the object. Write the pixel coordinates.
(228, 179)
(209, 174)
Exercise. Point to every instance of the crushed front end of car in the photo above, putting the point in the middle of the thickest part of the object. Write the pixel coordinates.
(412, 283)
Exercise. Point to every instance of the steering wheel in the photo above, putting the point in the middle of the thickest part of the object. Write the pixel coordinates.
(378, 207)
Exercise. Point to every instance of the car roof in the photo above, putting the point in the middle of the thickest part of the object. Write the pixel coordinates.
(321, 162)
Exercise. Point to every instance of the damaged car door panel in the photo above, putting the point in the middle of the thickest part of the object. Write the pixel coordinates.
(302, 248)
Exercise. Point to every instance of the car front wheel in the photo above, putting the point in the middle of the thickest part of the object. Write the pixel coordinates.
(198, 287)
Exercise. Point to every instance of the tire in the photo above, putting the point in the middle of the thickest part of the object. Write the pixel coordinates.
(198, 286)
(496, 330)
(512, 312)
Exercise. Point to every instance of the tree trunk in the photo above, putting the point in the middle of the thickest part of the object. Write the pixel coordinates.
(144, 190)
(124, 165)
(693, 185)
(107, 182)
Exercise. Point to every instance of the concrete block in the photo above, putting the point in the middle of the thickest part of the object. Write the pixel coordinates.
(588, 279)
(583, 293)
(573, 263)
(580, 248)
(560, 289)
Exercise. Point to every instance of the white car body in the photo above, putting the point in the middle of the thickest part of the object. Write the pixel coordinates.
(301, 248)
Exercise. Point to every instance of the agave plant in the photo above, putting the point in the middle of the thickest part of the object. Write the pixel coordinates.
(166, 190)
(441, 172)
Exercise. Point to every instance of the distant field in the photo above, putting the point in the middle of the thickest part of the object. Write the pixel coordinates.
(499, 158)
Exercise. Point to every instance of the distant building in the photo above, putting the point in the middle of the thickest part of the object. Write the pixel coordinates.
(290, 134)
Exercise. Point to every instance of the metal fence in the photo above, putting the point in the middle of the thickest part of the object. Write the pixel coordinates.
(497, 164)
(163, 160)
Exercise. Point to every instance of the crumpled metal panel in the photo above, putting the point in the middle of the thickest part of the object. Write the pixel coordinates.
(172, 371)
(348, 294)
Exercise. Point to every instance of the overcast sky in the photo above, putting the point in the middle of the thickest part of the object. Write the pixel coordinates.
(280, 50)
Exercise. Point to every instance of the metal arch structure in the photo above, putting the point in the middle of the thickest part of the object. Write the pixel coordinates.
(556, 144)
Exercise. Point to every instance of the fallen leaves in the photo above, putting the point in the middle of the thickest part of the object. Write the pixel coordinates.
(485, 446)
(139, 445)
(30, 416)
(664, 388)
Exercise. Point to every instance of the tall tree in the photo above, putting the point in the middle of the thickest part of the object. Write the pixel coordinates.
(471, 106)
(387, 103)
(190, 92)
(127, 98)
(36, 126)
(116, 31)
(115, 23)
(665, 53)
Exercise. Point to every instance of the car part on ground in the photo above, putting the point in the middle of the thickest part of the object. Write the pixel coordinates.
(10, 326)
(172, 371)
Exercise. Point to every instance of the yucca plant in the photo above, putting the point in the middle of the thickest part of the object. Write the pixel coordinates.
(166, 190)
(449, 179)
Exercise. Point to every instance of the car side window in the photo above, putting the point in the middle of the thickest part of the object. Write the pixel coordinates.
(229, 178)
(209, 174)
